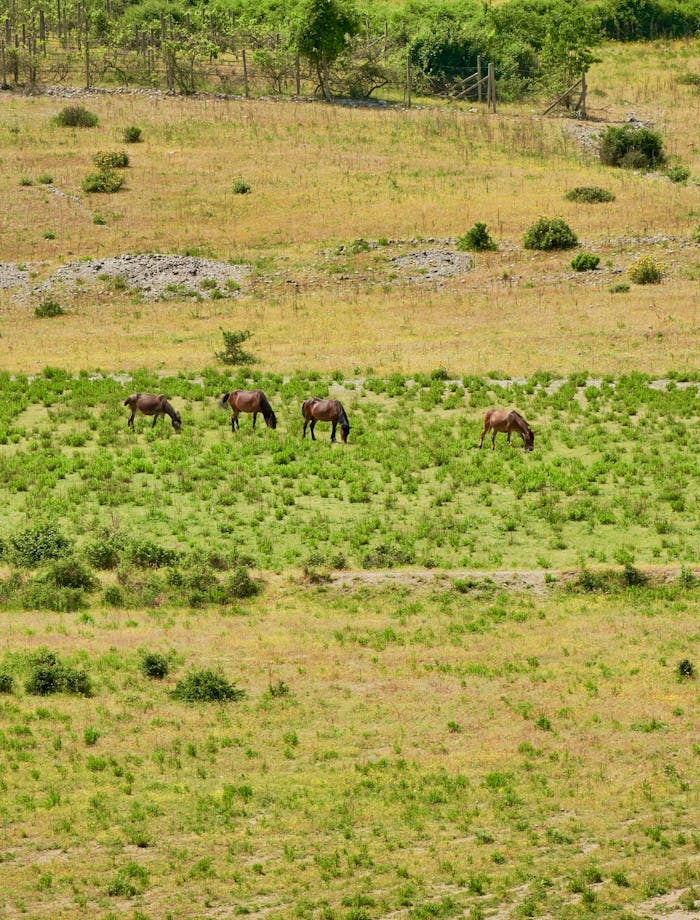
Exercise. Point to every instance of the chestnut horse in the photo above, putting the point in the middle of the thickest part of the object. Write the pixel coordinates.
(497, 420)
(156, 406)
(249, 401)
(325, 410)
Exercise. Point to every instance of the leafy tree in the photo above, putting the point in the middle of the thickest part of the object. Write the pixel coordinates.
(321, 32)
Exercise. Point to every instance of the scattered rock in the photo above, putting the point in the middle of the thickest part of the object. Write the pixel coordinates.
(433, 264)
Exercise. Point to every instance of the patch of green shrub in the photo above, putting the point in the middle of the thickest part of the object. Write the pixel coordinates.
(48, 308)
(132, 135)
(129, 881)
(76, 116)
(678, 174)
(585, 262)
(147, 554)
(106, 160)
(477, 239)
(620, 288)
(34, 545)
(204, 685)
(645, 271)
(71, 572)
(631, 148)
(50, 675)
(685, 669)
(240, 584)
(241, 187)
(104, 552)
(45, 179)
(105, 181)
(550, 234)
(7, 682)
(589, 194)
(41, 594)
(155, 665)
(233, 353)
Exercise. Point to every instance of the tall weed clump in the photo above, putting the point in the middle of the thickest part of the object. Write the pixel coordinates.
(203, 685)
(76, 116)
(477, 239)
(631, 148)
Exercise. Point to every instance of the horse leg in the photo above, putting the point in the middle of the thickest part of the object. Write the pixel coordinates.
(493, 439)
(130, 423)
(234, 419)
(303, 433)
(333, 430)
(509, 437)
(483, 435)
(255, 418)
(312, 426)
(155, 419)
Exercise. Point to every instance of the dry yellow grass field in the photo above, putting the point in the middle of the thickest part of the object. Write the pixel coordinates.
(322, 177)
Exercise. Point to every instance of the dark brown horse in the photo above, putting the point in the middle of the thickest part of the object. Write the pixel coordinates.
(149, 404)
(325, 410)
(249, 401)
(497, 420)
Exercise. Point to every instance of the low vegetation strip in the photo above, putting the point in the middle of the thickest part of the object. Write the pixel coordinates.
(315, 754)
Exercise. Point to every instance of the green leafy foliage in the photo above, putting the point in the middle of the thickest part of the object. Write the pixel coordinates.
(155, 665)
(48, 308)
(233, 352)
(48, 675)
(76, 116)
(203, 685)
(631, 147)
(36, 544)
(589, 194)
(132, 135)
(585, 262)
(105, 181)
(241, 187)
(645, 271)
(548, 234)
(106, 160)
(477, 239)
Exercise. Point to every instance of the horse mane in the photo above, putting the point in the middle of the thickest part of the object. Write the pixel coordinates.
(521, 420)
(266, 409)
(344, 423)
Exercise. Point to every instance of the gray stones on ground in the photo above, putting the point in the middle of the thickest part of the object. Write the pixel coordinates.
(433, 264)
(153, 276)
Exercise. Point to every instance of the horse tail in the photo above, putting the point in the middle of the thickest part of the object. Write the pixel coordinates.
(224, 400)
(266, 409)
(131, 399)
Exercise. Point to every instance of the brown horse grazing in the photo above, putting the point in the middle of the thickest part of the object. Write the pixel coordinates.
(497, 420)
(249, 401)
(152, 405)
(325, 410)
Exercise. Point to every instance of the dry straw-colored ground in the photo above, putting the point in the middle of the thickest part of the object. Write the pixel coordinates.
(323, 177)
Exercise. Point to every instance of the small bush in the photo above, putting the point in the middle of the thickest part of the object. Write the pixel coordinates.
(71, 573)
(147, 554)
(241, 187)
(48, 308)
(155, 665)
(129, 881)
(49, 235)
(34, 545)
(42, 594)
(113, 596)
(233, 353)
(203, 685)
(104, 553)
(26, 181)
(99, 220)
(45, 179)
(7, 682)
(645, 271)
(620, 288)
(679, 174)
(240, 585)
(132, 135)
(477, 239)
(685, 669)
(589, 194)
(106, 160)
(76, 116)
(106, 181)
(631, 148)
(549, 234)
(689, 79)
(49, 675)
(585, 262)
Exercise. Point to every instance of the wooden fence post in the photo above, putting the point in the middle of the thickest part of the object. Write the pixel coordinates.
(3, 65)
(582, 100)
(478, 76)
(409, 81)
(245, 73)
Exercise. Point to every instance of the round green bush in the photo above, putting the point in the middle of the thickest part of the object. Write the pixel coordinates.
(685, 669)
(241, 187)
(550, 234)
(240, 585)
(477, 239)
(105, 181)
(585, 262)
(589, 194)
(132, 135)
(48, 308)
(33, 545)
(203, 685)
(155, 665)
(7, 682)
(631, 148)
(105, 160)
(71, 573)
(76, 116)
